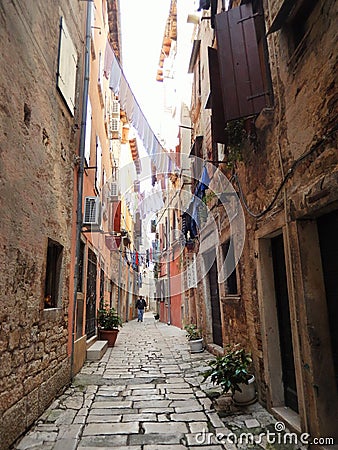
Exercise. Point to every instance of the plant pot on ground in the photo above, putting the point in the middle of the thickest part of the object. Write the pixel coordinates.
(231, 372)
(109, 324)
(195, 339)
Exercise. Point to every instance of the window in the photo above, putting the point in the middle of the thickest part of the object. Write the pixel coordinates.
(229, 268)
(298, 27)
(80, 267)
(217, 111)
(67, 67)
(88, 133)
(53, 274)
(295, 19)
(98, 172)
(243, 63)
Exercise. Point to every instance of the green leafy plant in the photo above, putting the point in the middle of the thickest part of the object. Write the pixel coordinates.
(230, 370)
(193, 333)
(108, 319)
(236, 136)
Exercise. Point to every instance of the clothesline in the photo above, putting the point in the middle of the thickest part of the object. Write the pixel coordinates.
(120, 86)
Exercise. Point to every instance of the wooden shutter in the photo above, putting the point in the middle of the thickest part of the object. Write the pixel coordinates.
(240, 71)
(67, 67)
(116, 216)
(217, 111)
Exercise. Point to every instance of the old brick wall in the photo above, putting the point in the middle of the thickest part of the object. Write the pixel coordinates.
(38, 141)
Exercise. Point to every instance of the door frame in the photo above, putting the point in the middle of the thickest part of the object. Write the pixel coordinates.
(270, 328)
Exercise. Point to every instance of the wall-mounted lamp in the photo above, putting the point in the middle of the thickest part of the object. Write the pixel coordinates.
(193, 18)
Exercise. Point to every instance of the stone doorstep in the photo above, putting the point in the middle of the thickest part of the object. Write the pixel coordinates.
(97, 350)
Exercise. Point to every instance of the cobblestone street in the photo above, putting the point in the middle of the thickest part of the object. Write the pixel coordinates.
(145, 394)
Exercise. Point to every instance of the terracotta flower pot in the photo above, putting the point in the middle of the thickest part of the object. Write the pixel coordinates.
(109, 335)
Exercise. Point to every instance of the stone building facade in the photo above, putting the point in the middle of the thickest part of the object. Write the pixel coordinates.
(270, 70)
(41, 57)
(60, 232)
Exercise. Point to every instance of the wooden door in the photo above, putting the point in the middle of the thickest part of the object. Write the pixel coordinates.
(284, 323)
(214, 298)
(328, 240)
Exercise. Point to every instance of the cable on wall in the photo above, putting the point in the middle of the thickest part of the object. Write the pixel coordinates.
(288, 175)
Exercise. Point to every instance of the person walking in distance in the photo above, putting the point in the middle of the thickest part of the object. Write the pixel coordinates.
(140, 305)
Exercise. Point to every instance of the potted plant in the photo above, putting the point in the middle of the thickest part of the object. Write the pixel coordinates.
(109, 323)
(195, 339)
(231, 372)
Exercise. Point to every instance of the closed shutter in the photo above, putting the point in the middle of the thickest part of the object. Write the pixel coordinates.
(116, 216)
(217, 111)
(240, 71)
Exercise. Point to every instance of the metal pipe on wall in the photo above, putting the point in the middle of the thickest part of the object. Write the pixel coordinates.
(80, 175)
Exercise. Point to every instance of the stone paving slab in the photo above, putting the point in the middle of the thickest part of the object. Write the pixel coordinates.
(111, 428)
(146, 393)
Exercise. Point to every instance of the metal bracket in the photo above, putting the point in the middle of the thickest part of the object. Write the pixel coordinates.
(249, 17)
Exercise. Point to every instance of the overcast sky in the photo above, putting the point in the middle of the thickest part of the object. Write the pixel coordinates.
(143, 26)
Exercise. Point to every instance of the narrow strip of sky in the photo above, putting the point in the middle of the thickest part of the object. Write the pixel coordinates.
(143, 26)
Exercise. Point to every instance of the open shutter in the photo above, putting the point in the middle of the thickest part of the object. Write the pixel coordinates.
(67, 67)
(217, 111)
(240, 70)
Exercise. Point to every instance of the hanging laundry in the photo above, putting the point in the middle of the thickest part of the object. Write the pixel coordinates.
(108, 60)
(204, 4)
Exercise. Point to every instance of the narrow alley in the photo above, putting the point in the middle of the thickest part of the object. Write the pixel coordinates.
(146, 394)
(178, 156)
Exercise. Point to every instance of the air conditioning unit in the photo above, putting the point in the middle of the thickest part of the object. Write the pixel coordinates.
(91, 214)
(114, 190)
(114, 128)
(115, 108)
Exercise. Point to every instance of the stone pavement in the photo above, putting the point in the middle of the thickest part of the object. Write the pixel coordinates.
(146, 394)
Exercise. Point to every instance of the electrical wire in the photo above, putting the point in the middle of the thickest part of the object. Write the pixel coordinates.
(290, 172)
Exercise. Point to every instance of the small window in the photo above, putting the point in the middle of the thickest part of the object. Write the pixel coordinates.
(98, 172)
(88, 133)
(53, 274)
(297, 28)
(81, 264)
(229, 265)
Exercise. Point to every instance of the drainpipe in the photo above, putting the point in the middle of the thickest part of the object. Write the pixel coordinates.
(168, 260)
(80, 175)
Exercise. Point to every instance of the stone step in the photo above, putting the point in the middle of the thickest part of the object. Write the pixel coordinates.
(97, 350)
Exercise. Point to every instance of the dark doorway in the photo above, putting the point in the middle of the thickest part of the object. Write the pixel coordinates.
(230, 269)
(214, 298)
(328, 241)
(284, 323)
(91, 295)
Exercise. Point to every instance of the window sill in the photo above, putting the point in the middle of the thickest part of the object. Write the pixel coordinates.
(52, 313)
(231, 298)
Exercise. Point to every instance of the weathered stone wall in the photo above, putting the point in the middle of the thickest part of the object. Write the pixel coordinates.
(300, 123)
(38, 140)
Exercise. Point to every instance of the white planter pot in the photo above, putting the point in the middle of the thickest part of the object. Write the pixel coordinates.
(248, 394)
(196, 345)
